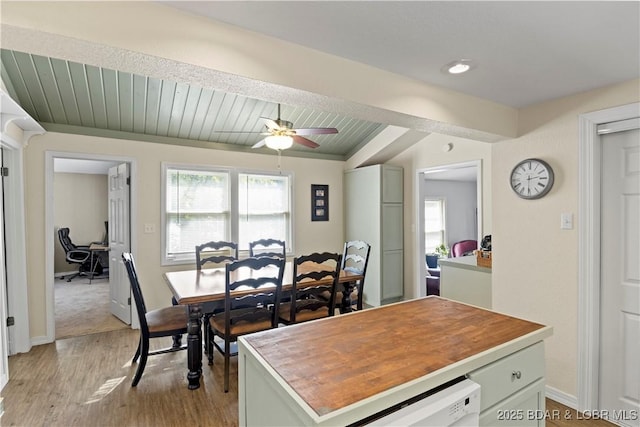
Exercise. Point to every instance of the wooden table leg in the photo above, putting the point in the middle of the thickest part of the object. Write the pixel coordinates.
(92, 272)
(194, 346)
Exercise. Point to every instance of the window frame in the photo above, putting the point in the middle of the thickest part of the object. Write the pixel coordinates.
(234, 173)
(443, 231)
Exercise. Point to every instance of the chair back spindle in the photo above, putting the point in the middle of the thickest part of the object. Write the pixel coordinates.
(141, 307)
(268, 247)
(216, 252)
(355, 259)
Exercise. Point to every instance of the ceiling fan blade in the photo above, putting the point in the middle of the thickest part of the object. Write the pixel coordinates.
(260, 143)
(315, 131)
(271, 124)
(304, 141)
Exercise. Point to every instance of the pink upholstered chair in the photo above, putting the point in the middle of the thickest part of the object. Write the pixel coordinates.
(464, 247)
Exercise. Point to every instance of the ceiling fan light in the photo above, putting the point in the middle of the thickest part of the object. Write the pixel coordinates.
(279, 142)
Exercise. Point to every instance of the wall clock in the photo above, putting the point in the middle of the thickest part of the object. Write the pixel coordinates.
(532, 178)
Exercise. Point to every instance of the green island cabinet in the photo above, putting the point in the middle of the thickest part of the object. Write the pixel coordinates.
(373, 203)
(341, 370)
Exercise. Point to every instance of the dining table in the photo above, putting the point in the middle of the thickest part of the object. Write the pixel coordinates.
(196, 287)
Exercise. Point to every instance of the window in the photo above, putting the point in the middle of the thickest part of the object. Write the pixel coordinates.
(434, 224)
(205, 204)
(264, 208)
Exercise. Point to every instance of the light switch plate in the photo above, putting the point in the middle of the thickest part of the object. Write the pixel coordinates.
(566, 221)
(149, 228)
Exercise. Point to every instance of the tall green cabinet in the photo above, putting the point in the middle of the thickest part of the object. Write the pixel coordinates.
(374, 213)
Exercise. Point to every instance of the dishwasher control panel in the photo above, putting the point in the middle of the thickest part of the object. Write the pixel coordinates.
(455, 405)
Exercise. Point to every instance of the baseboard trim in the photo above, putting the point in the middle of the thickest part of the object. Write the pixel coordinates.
(68, 273)
(43, 339)
(561, 397)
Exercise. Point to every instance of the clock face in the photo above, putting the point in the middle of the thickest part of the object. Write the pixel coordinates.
(532, 178)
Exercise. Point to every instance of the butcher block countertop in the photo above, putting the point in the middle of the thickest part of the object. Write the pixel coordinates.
(333, 363)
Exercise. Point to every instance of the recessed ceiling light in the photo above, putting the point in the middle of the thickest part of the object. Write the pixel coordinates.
(459, 66)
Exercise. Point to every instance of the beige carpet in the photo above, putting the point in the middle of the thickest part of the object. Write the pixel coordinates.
(83, 308)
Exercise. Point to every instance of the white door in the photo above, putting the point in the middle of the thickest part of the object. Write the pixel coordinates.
(620, 277)
(4, 344)
(119, 241)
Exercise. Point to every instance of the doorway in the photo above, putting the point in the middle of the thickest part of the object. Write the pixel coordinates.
(620, 274)
(458, 189)
(4, 342)
(88, 176)
(592, 304)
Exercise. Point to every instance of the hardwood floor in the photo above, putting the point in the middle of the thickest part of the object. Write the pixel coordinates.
(83, 308)
(559, 415)
(86, 381)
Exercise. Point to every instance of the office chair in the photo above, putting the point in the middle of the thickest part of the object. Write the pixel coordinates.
(79, 255)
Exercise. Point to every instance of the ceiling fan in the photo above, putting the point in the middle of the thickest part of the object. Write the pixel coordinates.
(281, 134)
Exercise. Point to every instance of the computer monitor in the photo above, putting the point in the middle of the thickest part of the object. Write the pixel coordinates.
(105, 239)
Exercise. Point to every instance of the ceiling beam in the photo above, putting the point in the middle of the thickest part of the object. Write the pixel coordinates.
(155, 40)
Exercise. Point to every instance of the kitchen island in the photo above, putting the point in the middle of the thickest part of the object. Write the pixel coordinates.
(341, 370)
(461, 279)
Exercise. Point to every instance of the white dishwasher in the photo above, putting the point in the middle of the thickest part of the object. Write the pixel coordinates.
(455, 405)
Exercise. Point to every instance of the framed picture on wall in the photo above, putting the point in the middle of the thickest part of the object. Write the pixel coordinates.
(319, 202)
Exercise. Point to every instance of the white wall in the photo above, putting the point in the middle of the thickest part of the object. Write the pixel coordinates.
(80, 203)
(460, 208)
(309, 236)
(535, 263)
(426, 154)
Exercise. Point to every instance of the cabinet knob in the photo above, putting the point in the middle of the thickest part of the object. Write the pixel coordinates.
(516, 375)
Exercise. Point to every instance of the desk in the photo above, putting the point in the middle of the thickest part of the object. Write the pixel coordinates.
(95, 249)
(194, 287)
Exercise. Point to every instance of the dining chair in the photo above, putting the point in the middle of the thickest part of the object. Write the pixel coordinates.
(217, 253)
(251, 300)
(355, 259)
(313, 275)
(163, 322)
(268, 247)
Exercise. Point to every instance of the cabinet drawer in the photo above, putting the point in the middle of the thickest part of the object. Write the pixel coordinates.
(526, 408)
(509, 374)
